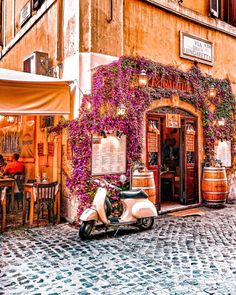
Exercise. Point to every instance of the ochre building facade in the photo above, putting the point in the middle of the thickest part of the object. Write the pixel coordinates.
(78, 36)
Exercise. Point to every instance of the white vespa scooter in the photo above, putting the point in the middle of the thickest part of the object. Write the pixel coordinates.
(137, 210)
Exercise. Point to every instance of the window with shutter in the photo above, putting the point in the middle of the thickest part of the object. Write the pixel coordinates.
(1, 23)
(228, 11)
(232, 12)
(36, 4)
(214, 7)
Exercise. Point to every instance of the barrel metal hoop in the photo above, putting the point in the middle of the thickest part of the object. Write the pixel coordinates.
(215, 193)
(214, 179)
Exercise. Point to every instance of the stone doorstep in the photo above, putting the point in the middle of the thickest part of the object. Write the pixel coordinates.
(179, 208)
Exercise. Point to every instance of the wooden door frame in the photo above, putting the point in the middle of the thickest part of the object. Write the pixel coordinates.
(157, 169)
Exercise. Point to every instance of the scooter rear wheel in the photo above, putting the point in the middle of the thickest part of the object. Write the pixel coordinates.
(86, 228)
(146, 223)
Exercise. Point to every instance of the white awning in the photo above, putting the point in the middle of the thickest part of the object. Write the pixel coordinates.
(24, 93)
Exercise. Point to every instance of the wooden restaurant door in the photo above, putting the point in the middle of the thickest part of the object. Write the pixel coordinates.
(188, 162)
(176, 179)
(154, 152)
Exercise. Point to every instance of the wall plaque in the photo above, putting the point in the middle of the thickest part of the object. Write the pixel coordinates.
(108, 155)
(195, 48)
(223, 152)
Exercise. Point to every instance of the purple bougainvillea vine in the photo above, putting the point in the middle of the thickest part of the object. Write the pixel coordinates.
(114, 84)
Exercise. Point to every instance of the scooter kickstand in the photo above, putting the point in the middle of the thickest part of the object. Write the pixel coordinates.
(116, 231)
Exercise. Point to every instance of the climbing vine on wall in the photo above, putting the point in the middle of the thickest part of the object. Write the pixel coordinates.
(114, 84)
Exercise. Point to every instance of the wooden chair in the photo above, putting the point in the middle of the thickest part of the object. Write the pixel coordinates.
(46, 197)
(18, 196)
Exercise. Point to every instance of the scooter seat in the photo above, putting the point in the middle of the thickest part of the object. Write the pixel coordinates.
(133, 194)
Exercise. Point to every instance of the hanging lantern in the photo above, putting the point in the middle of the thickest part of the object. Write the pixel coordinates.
(221, 122)
(212, 92)
(121, 109)
(142, 79)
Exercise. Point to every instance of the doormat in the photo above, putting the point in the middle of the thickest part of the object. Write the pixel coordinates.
(190, 212)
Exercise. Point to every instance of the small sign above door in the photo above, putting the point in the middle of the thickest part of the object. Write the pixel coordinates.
(172, 121)
(195, 48)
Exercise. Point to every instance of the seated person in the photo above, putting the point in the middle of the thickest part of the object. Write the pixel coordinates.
(2, 163)
(14, 167)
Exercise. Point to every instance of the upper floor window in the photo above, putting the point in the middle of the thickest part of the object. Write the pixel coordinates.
(36, 4)
(224, 10)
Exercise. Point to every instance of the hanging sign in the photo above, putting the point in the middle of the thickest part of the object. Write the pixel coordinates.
(172, 121)
(51, 149)
(40, 149)
(108, 155)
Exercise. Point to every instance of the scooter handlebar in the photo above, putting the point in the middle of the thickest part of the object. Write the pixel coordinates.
(104, 182)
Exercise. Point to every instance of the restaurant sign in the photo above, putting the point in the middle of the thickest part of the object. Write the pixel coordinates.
(195, 48)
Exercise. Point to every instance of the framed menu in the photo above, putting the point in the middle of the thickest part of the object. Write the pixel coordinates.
(223, 152)
(190, 142)
(108, 155)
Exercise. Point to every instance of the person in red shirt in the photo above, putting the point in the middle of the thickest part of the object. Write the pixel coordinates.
(14, 167)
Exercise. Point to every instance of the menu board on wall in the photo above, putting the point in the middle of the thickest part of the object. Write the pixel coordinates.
(152, 142)
(108, 155)
(189, 142)
(223, 152)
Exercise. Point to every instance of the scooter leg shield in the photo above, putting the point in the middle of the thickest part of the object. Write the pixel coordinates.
(89, 214)
(142, 210)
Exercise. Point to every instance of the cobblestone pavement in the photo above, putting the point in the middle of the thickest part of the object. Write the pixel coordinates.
(180, 255)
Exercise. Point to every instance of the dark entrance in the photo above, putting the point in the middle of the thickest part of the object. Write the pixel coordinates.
(172, 155)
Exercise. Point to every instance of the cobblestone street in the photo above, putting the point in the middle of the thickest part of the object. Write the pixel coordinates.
(180, 255)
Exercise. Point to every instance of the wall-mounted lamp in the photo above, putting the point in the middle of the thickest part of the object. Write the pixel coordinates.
(142, 79)
(219, 122)
(212, 92)
(11, 119)
(89, 105)
(121, 109)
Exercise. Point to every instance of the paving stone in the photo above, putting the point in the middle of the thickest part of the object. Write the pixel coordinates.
(180, 255)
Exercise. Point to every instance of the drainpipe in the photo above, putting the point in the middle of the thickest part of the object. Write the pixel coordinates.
(59, 36)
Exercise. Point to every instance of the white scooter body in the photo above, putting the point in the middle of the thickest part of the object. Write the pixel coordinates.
(136, 207)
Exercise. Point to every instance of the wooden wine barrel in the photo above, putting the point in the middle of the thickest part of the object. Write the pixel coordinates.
(145, 180)
(214, 185)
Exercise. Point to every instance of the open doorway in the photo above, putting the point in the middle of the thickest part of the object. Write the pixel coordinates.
(172, 155)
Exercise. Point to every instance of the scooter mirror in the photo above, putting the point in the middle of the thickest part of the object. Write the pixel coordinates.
(122, 178)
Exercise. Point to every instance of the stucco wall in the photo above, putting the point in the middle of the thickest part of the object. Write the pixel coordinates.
(155, 34)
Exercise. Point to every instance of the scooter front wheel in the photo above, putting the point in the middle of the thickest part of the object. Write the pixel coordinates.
(86, 228)
(146, 223)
